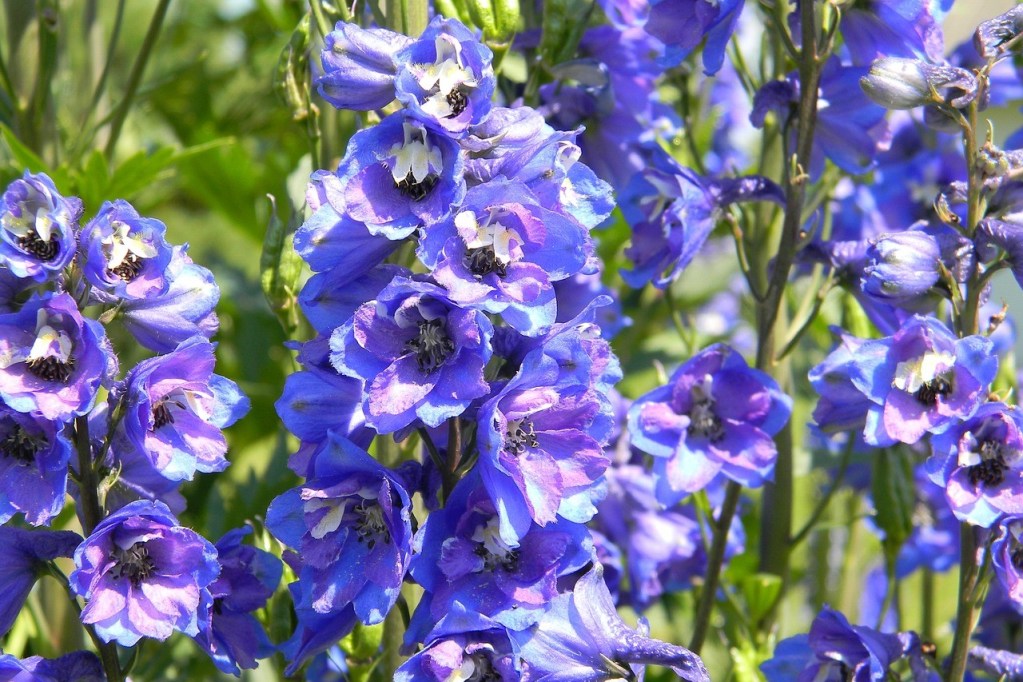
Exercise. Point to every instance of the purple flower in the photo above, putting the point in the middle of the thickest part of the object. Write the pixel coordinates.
(126, 255)
(330, 298)
(579, 291)
(897, 83)
(315, 632)
(834, 650)
(420, 355)
(445, 78)
(934, 542)
(842, 406)
(398, 175)
(185, 309)
(1002, 664)
(52, 360)
(902, 265)
(351, 522)
(358, 66)
(479, 656)
(34, 456)
(78, 666)
(1007, 556)
(683, 24)
(583, 639)
(921, 380)
(466, 566)
(991, 35)
(908, 28)
(979, 462)
(25, 556)
(232, 636)
(143, 575)
(37, 228)
(501, 252)
(175, 408)
(716, 415)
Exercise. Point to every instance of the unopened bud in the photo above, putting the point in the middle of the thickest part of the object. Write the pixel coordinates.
(898, 83)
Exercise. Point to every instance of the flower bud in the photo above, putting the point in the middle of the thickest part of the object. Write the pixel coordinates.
(898, 83)
(902, 265)
(992, 35)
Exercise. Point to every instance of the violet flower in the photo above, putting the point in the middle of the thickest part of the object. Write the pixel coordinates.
(126, 255)
(143, 575)
(34, 457)
(902, 265)
(1007, 555)
(683, 24)
(583, 639)
(979, 462)
(420, 355)
(37, 228)
(175, 409)
(26, 553)
(78, 666)
(52, 360)
(462, 657)
(716, 415)
(1004, 665)
(358, 66)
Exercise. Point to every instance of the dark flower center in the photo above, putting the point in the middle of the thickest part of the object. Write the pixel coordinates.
(482, 668)
(218, 605)
(432, 345)
(21, 446)
(618, 668)
(416, 190)
(32, 244)
(929, 393)
(704, 422)
(520, 436)
(51, 368)
(1016, 555)
(506, 561)
(369, 525)
(162, 415)
(992, 467)
(482, 261)
(457, 100)
(129, 268)
(133, 563)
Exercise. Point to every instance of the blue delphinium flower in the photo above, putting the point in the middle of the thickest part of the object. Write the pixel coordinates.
(230, 633)
(910, 28)
(466, 566)
(175, 409)
(579, 291)
(126, 255)
(52, 360)
(1004, 665)
(185, 309)
(37, 228)
(835, 650)
(842, 406)
(78, 666)
(920, 380)
(143, 575)
(330, 298)
(25, 556)
(315, 632)
(34, 456)
(1007, 555)
(485, 655)
(934, 542)
(683, 24)
(979, 462)
(399, 175)
(445, 77)
(358, 66)
(420, 355)
(902, 265)
(582, 638)
(351, 522)
(716, 415)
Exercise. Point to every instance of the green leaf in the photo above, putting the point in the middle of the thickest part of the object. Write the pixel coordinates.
(138, 172)
(291, 82)
(563, 24)
(23, 156)
(280, 270)
(760, 591)
(894, 495)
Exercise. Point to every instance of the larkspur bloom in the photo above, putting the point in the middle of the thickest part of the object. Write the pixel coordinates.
(1004, 665)
(1007, 556)
(37, 228)
(34, 457)
(143, 575)
(835, 650)
(902, 265)
(52, 360)
(25, 556)
(501, 252)
(445, 77)
(979, 462)
(358, 66)
(842, 406)
(993, 34)
(420, 355)
(78, 666)
(897, 83)
(462, 657)
(230, 633)
(351, 522)
(126, 255)
(920, 380)
(583, 639)
(683, 24)
(399, 175)
(175, 409)
(716, 416)
(912, 28)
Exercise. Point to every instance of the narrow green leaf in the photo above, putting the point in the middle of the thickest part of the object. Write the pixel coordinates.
(280, 270)
(23, 156)
(760, 591)
(894, 497)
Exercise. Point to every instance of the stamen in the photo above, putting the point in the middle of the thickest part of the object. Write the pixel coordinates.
(369, 526)
(50, 368)
(520, 436)
(703, 420)
(477, 667)
(20, 446)
(162, 414)
(133, 563)
(992, 466)
(432, 345)
(457, 100)
(929, 393)
(44, 250)
(416, 190)
(129, 268)
(482, 261)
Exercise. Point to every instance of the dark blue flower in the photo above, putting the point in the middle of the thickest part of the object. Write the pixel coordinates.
(26, 553)
(358, 66)
(445, 77)
(485, 655)
(78, 666)
(683, 24)
(583, 639)
(1007, 556)
(143, 575)
(907, 28)
(902, 265)
(37, 228)
(34, 457)
(1004, 665)
(126, 255)
(420, 355)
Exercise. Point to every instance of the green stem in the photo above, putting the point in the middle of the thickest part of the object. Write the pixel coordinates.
(822, 505)
(450, 471)
(715, 559)
(101, 84)
(969, 575)
(927, 606)
(135, 77)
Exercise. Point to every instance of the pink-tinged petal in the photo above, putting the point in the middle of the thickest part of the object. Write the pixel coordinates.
(400, 387)
(170, 597)
(106, 603)
(689, 470)
(905, 418)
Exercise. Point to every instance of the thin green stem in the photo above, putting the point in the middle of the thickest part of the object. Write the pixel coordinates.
(823, 503)
(115, 33)
(927, 606)
(965, 613)
(449, 472)
(715, 560)
(135, 77)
